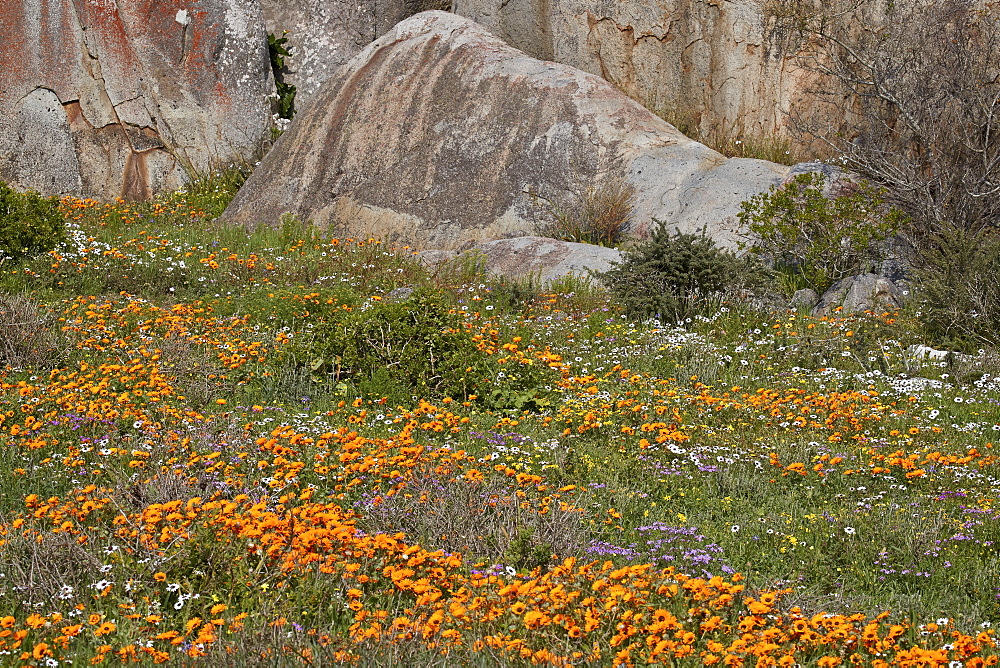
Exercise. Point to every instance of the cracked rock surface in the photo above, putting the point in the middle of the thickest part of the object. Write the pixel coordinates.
(716, 66)
(113, 98)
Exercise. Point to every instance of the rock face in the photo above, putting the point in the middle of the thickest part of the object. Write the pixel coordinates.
(440, 135)
(116, 97)
(718, 66)
(325, 34)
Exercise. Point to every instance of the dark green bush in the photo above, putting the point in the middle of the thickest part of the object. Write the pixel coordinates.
(29, 224)
(957, 291)
(417, 347)
(813, 240)
(674, 276)
(412, 347)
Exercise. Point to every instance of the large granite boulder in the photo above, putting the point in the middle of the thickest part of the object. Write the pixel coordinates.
(115, 97)
(440, 135)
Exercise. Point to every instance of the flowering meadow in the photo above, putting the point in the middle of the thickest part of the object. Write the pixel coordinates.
(277, 447)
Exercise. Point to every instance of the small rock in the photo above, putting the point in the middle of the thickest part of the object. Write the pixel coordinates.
(857, 294)
(399, 294)
(804, 299)
(545, 258)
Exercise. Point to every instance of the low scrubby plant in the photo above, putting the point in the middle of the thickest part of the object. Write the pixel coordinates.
(813, 239)
(674, 275)
(29, 224)
(416, 347)
(487, 520)
(957, 292)
(31, 336)
(601, 215)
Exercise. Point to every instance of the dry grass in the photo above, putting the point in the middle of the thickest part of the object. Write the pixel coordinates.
(32, 336)
(487, 521)
(602, 215)
(732, 142)
(49, 567)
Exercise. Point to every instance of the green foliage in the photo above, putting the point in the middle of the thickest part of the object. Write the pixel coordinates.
(600, 216)
(286, 92)
(400, 349)
(673, 275)
(29, 224)
(957, 290)
(286, 99)
(526, 553)
(520, 387)
(814, 240)
(417, 347)
(277, 51)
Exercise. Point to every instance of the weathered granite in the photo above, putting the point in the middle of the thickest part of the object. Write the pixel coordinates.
(856, 294)
(112, 98)
(720, 67)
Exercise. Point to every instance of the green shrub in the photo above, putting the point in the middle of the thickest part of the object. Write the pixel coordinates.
(417, 347)
(957, 292)
(813, 240)
(398, 349)
(286, 92)
(29, 224)
(673, 276)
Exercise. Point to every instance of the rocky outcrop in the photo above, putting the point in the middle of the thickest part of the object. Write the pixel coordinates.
(539, 257)
(722, 67)
(119, 97)
(324, 34)
(856, 294)
(440, 135)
